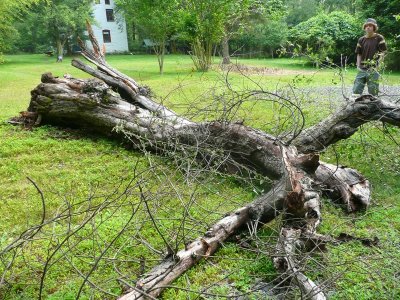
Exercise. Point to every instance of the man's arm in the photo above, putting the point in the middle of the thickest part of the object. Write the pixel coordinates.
(382, 48)
(359, 52)
(358, 61)
(381, 56)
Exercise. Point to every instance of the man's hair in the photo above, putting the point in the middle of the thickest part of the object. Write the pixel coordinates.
(372, 22)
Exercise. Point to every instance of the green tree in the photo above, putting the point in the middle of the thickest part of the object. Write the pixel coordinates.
(326, 36)
(157, 20)
(64, 19)
(32, 35)
(210, 22)
(240, 16)
(342, 5)
(274, 33)
(263, 37)
(47, 21)
(203, 28)
(300, 10)
(53, 24)
(11, 10)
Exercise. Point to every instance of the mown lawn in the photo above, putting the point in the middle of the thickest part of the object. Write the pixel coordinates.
(78, 172)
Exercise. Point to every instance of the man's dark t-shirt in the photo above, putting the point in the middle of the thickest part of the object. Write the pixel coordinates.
(368, 48)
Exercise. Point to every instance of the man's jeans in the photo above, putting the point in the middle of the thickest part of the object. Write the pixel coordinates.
(369, 77)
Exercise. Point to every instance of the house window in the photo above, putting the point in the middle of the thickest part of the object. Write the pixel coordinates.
(110, 15)
(106, 36)
(107, 1)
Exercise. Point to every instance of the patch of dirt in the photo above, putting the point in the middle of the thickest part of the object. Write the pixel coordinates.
(248, 70)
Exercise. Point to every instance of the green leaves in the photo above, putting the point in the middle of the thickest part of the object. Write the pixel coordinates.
(327, 35)
(157, 20)
(10, 10)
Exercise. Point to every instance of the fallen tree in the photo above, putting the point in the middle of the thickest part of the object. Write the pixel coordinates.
(114, 104)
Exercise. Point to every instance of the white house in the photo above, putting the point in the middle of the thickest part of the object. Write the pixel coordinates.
(110, 29)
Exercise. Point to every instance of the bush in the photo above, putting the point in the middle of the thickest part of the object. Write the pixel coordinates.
(261, 39)
(331, 36)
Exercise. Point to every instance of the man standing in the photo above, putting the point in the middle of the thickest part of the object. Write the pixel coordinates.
(370, 50)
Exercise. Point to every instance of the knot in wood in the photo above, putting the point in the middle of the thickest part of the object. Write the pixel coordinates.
(366, 109)
(48, 78)
(94, 85)
(145, 90)
(344, 130)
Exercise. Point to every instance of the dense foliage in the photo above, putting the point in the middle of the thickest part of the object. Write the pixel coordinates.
(157, 20)
(52, 24)
(10, 11)
(203, 28)
(262, 39)
(327, 36)
(63, 20)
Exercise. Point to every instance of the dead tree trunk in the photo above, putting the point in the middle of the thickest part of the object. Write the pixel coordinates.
(117, 105)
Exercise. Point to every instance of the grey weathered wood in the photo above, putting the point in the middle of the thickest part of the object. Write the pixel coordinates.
(346, 121)
(286, 262)
(345, 186)
(93, 104)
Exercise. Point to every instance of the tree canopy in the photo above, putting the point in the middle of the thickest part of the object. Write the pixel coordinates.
(64, 19)
(10, 10)
(158, 20)
(51, 23)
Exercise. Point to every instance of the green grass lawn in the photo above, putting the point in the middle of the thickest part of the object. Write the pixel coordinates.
(78, 172)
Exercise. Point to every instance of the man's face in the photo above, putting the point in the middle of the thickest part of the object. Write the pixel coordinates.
(369, 28)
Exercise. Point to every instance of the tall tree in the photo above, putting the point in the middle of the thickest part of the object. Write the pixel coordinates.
(208, 22)
(10, 10)
(300, 10)
(157, 19)
(242, 14)
(203, 28)
(62, 19)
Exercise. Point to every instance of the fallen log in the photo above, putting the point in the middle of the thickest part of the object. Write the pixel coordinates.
(113, 104)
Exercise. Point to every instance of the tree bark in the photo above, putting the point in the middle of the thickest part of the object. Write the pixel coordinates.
(160, 52)
(60, 49)
(345, 186)
(286, 262)
(293, 189)
(226, 59)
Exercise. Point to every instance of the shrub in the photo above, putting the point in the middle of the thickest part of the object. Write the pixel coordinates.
(332, 36)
